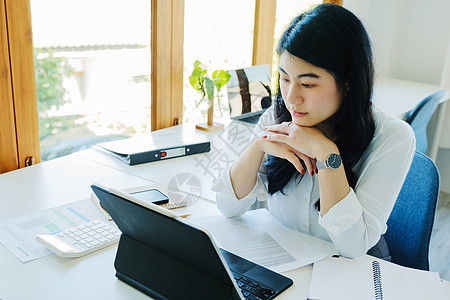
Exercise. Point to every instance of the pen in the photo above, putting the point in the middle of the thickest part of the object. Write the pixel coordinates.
(184, 216)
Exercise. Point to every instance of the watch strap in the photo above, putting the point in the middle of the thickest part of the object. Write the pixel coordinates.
(321, 165)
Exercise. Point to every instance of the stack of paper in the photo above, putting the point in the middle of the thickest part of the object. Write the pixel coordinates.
(260, 238)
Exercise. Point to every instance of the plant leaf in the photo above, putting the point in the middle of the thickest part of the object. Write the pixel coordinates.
(193, 80)
(197, 71)
(209, 88)
(197, 64)
(220, 78)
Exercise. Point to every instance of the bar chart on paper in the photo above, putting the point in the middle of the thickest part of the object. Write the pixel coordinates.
(18, 234)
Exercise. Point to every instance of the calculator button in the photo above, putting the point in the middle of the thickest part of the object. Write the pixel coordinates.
(97, 226)
(110, 236)
(81, 245)
(95, 243)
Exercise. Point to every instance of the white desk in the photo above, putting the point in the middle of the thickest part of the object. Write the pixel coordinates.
(56, 182)
(65, 180)
(398, 97)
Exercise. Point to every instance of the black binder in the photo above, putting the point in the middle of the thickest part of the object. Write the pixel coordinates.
(154, 147)
(166, 257)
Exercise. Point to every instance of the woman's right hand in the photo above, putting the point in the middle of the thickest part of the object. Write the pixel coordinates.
(283, 150)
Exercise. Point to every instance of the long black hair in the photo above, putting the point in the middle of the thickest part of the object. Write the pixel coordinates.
(332, 38)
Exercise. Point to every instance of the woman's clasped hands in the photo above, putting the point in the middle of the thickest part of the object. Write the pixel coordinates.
(293, 142)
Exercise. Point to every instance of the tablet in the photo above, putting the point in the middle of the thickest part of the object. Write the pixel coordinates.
(167, 257)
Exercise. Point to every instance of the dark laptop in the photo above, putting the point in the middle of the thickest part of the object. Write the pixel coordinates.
(249, 93)
(167, 257)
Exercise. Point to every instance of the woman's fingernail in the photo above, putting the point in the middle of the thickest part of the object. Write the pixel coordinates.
(303, 172)
(264, 136)
(312, 173)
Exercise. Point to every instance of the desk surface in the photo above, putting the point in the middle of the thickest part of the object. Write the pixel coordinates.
(65, 180)
(398, 97)
(92, 277)
(68, 179)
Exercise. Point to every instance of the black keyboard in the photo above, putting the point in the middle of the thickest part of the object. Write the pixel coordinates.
(253, 290)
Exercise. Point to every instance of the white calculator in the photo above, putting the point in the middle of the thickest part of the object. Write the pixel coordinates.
(80, 240)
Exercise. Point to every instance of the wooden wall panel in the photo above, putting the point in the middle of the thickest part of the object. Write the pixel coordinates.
(23, 79)
(177, 61)
(8, 144)
(337, 2)
(263, 38)
(167, 63)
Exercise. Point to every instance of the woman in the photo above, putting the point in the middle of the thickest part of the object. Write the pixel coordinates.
(328, 163)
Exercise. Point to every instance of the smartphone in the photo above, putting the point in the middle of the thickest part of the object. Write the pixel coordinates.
(154, 196)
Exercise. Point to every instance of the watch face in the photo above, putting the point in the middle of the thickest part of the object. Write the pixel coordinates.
(334, 161)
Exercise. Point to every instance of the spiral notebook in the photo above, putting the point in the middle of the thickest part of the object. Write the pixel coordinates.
(371, 278)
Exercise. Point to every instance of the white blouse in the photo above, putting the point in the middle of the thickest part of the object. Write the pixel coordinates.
(356, 223)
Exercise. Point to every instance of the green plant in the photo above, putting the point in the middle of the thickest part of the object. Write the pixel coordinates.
(202, 83)
(50, 73)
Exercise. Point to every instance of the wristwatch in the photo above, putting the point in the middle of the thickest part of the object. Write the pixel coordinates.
(333, 161)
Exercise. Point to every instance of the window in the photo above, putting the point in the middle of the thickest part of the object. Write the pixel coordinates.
(93, 72)
(220, 35)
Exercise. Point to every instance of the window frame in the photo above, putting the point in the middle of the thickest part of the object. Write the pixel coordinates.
(19, 120)
(167, 63)
(19, 136)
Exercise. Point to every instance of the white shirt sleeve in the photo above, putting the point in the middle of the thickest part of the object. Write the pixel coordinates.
(226, 199)
(228, 203)
(357, 221)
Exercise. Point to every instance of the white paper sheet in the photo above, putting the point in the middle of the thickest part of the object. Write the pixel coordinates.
(343, 278)
(259, 237)
(18, 234)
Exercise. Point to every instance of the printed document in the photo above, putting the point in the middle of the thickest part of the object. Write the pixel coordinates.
(260, 238)
(18, 234)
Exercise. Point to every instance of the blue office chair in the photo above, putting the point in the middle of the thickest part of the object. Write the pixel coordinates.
(411, 221)
(419, 117)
